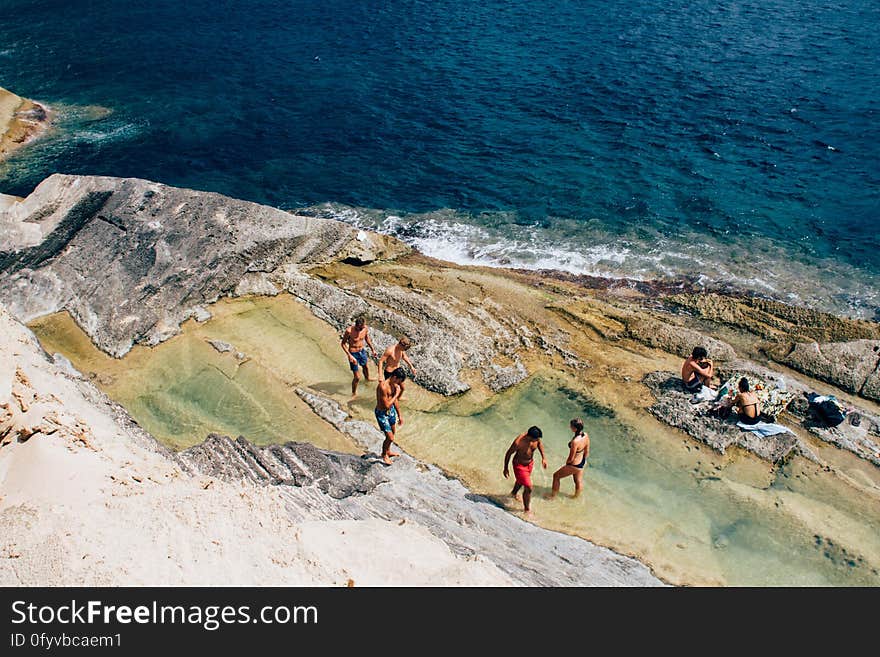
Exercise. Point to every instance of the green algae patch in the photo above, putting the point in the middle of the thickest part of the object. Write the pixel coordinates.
(184, 389)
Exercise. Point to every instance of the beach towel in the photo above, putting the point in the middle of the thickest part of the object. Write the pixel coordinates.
(706, 394)
(764, 429)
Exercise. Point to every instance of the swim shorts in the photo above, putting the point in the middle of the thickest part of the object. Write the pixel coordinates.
(360, 359)
(523, 474)
(694, 385)
(386, 419)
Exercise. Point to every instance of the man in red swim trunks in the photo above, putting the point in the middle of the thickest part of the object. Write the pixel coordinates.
(522, 449)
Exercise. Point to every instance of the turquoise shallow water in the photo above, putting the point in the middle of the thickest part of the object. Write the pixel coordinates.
(717, 140)
(694, 515)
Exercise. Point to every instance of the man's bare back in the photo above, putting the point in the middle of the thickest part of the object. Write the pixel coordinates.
(387, 411)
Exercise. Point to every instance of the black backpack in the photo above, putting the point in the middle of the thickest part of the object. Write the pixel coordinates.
(828, 411)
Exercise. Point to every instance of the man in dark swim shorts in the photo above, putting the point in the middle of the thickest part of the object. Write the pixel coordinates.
(353, 340)
(387, 411)
(697, 370)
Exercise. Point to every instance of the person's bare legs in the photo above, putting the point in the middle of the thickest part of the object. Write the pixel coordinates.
(386, 448)
(354, 385)
(367, 373)
(527, 498)
(559, 475)
(707, 380)
(387, 454)
(515, 492)
(578, 482)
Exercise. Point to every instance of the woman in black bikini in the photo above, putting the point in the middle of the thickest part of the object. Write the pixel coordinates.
(578, 451)
(748, 408)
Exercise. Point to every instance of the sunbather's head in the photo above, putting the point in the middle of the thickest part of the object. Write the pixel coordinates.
(534, 433)
(744, 385)
(577, 425)
(699, 353)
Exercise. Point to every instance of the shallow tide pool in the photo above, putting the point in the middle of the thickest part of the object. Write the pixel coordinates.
(695, 516)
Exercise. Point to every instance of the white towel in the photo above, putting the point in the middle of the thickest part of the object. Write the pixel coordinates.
(764, 429)
(706, 394)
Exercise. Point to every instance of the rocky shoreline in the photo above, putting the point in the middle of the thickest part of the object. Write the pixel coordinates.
(113, 254)
(21, 121)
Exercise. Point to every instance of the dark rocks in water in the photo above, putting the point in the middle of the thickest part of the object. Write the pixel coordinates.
(35, 113)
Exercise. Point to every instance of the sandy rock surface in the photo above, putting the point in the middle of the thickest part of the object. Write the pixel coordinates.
(87, 498)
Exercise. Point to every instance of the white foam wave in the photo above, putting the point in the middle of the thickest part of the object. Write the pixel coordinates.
(495, 240)
(118, 133)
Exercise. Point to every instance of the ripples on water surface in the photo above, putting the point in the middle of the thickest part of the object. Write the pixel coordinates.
(642, 138)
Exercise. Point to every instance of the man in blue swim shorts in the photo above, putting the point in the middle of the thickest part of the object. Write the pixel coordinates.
(353, 340)
(388, 414)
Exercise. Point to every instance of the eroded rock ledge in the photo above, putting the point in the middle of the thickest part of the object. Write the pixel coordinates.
(114, 253)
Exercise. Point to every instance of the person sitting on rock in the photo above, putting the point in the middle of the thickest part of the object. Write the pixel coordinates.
(522, 449)
(392, 358)
(697, 370)
(747, 404)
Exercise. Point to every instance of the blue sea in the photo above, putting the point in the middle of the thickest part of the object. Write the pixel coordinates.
(733, 142)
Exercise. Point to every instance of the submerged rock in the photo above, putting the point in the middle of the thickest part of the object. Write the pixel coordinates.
(220, 346)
